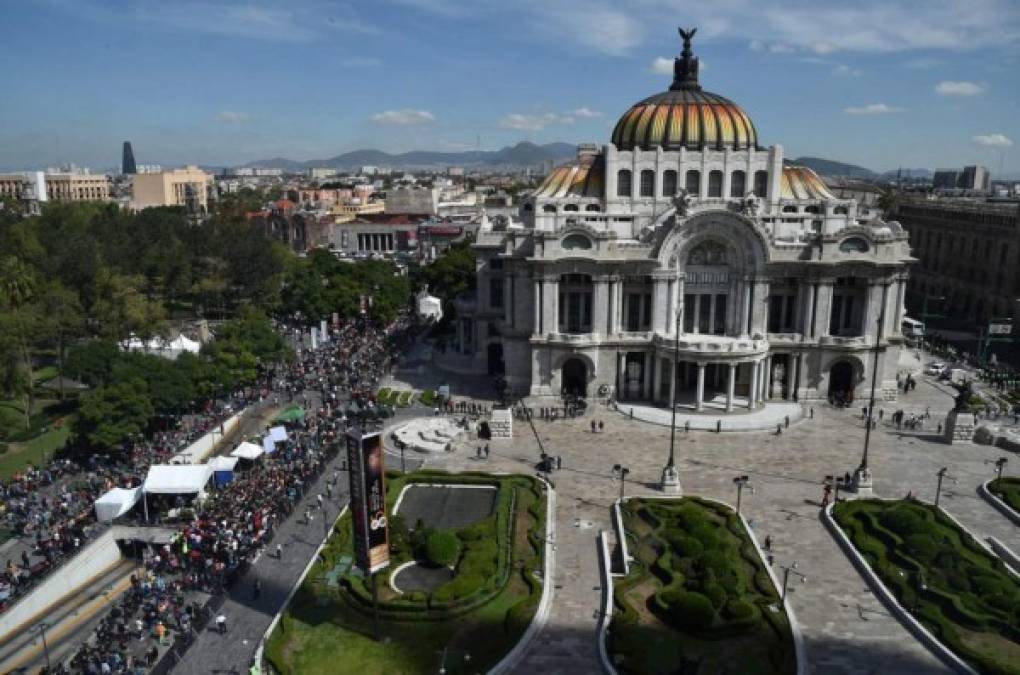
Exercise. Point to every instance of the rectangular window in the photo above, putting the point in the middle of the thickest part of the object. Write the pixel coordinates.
(834, 316)
(496, 293)
(775, 312)
(647, 183)
(788, 325)
(688, 312)
(633, 311)
(720, 314)
(646, 313)
(704, 314)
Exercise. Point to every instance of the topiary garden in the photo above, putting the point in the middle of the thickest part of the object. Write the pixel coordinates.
(482, 610)
(698, 599)
(958, 590)
(1008, 490)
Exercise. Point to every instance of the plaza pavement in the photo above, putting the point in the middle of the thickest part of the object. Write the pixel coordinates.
(846, 628)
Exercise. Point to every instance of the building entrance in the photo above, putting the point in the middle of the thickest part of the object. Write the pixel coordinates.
(841, 383)
(495, 359)
(575, 378)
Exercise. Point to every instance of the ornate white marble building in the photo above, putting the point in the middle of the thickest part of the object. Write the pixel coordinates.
(684, 235)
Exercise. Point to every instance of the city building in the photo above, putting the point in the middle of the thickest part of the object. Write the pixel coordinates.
(968, 253)
(127, 162)
(970, 178)
(684, 258)
(44, 186)
(413, 201)
(187, 187)
(321, 172)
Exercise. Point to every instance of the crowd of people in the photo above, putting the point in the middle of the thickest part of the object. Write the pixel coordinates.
(213, 548)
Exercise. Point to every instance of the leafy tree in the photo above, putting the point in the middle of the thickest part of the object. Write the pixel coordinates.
(112, 415)
(169, 387)
(17, 288)
(122, 310)
(93, 362)
(61, 320)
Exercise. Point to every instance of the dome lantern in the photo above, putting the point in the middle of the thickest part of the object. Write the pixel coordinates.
(685, 116)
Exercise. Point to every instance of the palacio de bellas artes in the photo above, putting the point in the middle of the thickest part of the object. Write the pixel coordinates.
(683, 260)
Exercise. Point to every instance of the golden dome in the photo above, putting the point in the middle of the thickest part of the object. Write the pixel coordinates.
(685, 116)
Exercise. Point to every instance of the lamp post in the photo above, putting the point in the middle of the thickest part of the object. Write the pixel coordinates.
(862, 476)
(41, 627)
(787, 570)
(837, 482)
(670, 474)
(621, 472)
(938, 490)
(741, 482)
(1000, 464)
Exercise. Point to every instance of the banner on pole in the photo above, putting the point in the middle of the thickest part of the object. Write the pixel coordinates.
(368, 501)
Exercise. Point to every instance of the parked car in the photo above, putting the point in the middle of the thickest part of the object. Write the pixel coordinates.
(936, 368)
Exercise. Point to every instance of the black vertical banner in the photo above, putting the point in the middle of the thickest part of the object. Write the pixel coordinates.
(368, 501)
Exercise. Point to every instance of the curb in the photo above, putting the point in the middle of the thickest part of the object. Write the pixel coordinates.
(605, 616)
(710, 420)
(513, 658)
(799, 649)
(1002, 506)
(923, 635)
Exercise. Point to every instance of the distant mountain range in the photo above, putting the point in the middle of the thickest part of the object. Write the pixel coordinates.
(521, 155)
(828, 167)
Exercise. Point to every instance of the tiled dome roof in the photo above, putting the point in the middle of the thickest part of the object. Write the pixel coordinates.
(685, 116)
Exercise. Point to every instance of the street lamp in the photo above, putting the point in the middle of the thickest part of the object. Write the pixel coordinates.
(838, 482)
(41, 627)
(938, 490)
(741, 482)
(670, 474)
(787, 570)
(1000, 464)
(621, 472)
(862, 476)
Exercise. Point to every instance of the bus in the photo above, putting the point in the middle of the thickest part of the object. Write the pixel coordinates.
(912, 329)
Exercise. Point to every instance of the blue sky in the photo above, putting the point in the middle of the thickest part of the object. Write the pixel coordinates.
(881, 83)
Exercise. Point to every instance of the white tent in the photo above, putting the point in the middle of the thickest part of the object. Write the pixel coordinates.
(268, 444)
(223, 463)
(116, 502)
(278, 433)
(247, 451)
(170, 479)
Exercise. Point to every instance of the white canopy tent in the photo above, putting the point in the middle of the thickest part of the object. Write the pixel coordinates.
(223, 463)
(248, 451)
(278, 433)
(177, 479)
(268, 444)
(116, 503)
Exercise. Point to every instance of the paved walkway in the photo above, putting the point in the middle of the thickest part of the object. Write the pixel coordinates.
(764, 418)
(846, 628)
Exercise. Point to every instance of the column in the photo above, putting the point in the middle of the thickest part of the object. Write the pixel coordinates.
(901, 286)
(621, 368)
(618, 305)
(550, 305)
(656, 377)
(752, 392)
(697, 313)
(676, 305)
(660, 305)
(808, 307)
(729, 387)
(823, 307)
(759, 311)
(699, 399)
(766, 384)
(745, 307)
(600, 305)
(871, 309)
(537, 328)
(799, 382)
(646, 381)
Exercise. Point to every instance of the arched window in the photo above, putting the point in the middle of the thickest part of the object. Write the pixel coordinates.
(548, 208)
(529, 207)
(789, 209)
(570, 207)
(812, 209)
(623, 183)
(715, 183)
(761, 183)
(572, 241)
(841, 211)
(668, 183)
(738, 184)
(693, 182)
(647, 183)
(592, 207)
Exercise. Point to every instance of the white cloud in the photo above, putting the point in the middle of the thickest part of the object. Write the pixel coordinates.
(994, 140)
(403, 118)
(872, 109)
(951, 88)
(232, 116)
(661, 66)
(843, 69)
(585, 112)
(523, 122)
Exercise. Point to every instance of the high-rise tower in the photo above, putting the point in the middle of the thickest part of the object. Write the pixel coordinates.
(128, 160)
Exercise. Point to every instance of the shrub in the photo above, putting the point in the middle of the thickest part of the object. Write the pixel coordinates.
(692, 611)
(901, 520)
(921, 546)
(461, 586)
(687, 547)
(715, 594)
(737, 610)
(985, 585)
(442, 548)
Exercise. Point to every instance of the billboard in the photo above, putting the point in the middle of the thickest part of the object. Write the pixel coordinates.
(1000, 326)
(368, 501)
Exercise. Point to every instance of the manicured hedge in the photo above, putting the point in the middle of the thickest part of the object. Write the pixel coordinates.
(1008, 490)
(937, 571)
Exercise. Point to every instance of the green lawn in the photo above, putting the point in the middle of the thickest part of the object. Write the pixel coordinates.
(958, 590)
(697, 600)
(20, 455)
(1008, 490)
(476, 616)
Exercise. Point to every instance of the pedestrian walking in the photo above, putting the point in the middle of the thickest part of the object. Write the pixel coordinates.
(593, 426)
(559, 462)
(779, 429)
(486, 451)
(601, 425)
(319, 498)
(811, 413)
(478, 452)
(221, 624)
(279, 551)
(826, 494)
(768, 542)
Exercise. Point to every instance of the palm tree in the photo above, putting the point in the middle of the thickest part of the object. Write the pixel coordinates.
(17, 285)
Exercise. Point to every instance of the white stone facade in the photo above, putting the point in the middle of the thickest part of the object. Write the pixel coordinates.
(755, 283)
